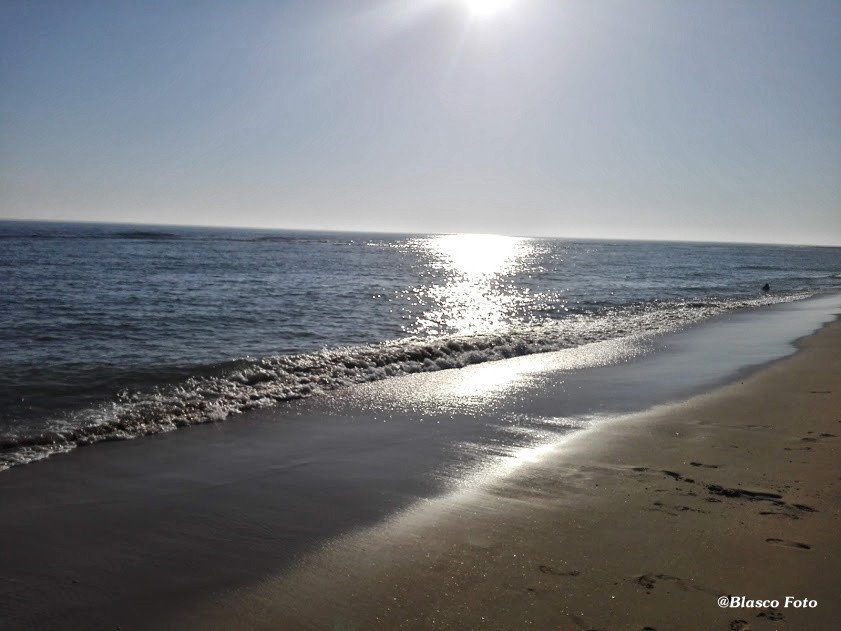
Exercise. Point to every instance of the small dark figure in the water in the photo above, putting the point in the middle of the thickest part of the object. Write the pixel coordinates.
(766, 288)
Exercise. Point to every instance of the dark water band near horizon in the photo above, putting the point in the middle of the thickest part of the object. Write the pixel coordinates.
(114, 331)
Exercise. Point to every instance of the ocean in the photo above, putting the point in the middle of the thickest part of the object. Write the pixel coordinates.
(113, 331)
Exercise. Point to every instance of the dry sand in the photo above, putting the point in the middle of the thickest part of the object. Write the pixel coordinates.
(643, 522)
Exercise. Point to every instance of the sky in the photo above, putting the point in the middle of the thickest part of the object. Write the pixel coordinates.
(711, 120)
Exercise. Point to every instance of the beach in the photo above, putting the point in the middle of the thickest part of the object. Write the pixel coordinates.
(640, 524)
(508, 494)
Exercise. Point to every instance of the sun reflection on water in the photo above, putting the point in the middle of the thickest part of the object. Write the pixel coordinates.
(479, 255)
(473, 290)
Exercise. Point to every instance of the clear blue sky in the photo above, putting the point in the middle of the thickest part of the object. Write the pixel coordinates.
(701, 120)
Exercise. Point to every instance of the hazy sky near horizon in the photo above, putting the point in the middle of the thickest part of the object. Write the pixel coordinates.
(707, 120)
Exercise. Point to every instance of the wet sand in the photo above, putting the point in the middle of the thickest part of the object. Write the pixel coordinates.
(643, 522)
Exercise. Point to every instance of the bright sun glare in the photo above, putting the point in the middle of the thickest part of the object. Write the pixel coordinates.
(486, 8)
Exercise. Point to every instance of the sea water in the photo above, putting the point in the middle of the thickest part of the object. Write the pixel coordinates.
(115, 331)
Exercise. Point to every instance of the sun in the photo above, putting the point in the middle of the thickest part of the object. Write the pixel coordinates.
(486, 8)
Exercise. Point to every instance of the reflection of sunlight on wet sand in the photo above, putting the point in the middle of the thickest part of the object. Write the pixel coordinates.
(492, 468)
(479, 387)
(478, 384)
(420, 532)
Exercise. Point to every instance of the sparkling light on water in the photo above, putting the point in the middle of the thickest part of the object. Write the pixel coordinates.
(473, 292)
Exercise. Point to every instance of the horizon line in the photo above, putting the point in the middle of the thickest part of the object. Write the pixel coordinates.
(411, 232)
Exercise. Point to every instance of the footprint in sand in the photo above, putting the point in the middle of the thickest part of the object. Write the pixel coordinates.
(789, 544)
(701, 464)
(812, 439)
(674, 509)
(748, 494)
(771, 614)
(778, 514)
(648, 581)
(739, 625)
(550, 570)
(790, 515)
